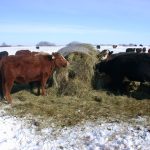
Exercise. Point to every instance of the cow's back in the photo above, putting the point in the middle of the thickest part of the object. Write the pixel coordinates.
(133, 66)
(25, 69)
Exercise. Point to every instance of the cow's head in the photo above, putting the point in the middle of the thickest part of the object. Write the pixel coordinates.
(59, 60)
(104, 54)
(101, 67)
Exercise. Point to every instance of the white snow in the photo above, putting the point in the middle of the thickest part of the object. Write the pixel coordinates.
(121, 48)
(21, 134)
(50, 49)
(13, 49)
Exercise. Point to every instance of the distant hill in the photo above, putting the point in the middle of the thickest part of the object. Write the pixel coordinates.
(45, 43)
(4, 45)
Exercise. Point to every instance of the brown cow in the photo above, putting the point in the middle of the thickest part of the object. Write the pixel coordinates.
(3, 54)
(27, 69)
(25, 53)
(22, 52)
(28, 53)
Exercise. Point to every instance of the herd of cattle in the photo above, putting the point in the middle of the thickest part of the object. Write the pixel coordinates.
(131, 65)
(29, 67)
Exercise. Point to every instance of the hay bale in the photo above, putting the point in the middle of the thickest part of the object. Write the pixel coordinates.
(80, 75)
(60, 76)
(78, 47)
(82, 58)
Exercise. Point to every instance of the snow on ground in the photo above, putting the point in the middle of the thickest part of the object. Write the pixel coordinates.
(13, 49)
(50, 49)
(21, 134)
(121, 48)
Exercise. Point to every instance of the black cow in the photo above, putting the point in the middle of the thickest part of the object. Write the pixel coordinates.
(144, 49)
(139, 50)
(98, 46)
(133, 66)
(111, 55)
(2, 55)
(114, 46)
(131, 50)
(37, 47)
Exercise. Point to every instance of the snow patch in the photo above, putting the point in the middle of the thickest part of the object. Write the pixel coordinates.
(20, 134)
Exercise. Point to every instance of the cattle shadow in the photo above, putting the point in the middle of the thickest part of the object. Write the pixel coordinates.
(16, 88)
(32, 87)
(19, 87)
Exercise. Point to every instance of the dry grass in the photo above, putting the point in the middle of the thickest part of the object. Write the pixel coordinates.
(70, 110)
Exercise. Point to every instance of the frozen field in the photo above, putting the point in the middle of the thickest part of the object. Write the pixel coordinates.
(22, 134)
(121, 48)
(50, 49)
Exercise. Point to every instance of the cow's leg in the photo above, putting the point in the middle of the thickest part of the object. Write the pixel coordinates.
(7, 89)
(38, 88)
(31, 85)
(43, 84)
(1, 89)
(117, 83)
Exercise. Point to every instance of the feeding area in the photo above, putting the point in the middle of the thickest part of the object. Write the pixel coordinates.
(80, 95)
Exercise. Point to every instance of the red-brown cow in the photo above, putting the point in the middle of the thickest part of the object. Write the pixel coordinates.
(3, 54)
(25, 53)
(22, 52)
(28, 53)
(22, 69)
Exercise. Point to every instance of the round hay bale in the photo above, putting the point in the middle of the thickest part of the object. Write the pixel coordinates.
(60, 76)
(80, 73)
(82, 65)
(78, 47)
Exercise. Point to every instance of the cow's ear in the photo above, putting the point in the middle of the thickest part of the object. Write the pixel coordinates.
(111, 52)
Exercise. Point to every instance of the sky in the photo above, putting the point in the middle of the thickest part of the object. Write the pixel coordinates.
(27, 22)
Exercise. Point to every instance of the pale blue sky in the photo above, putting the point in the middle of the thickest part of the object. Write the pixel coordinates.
(62, 21)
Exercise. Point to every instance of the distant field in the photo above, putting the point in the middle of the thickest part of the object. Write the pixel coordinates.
(51, 49)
